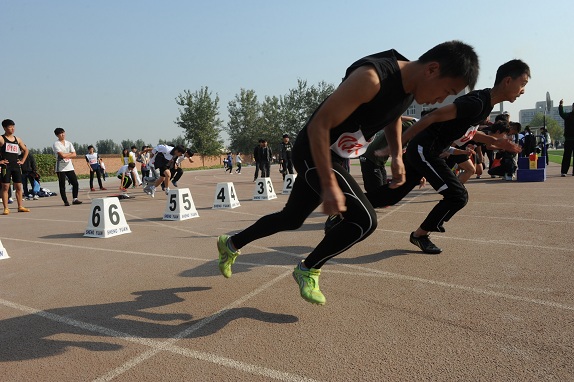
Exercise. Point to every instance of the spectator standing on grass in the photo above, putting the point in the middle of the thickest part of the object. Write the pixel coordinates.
(64, 152)
(568, 138)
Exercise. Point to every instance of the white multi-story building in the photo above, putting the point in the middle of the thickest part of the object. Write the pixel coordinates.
(525, 116)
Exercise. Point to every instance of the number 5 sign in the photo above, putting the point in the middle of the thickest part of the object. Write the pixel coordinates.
(106, 219)
(225, 196)
(180, 205)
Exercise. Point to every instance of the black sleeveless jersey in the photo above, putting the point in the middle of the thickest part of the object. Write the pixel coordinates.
(471, 110)
(352, 136)
(10, 150)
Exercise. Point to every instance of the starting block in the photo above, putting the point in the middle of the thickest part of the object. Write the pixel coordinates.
(288, 183)
(225, 196)
(3, 252)
(106, 219)
(179, 205)
(526, 173)
(264, 189)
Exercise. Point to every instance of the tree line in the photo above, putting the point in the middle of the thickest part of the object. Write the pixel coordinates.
(249, 120)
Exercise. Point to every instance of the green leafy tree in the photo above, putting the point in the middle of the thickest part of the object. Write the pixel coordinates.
(299, 104)
(245, 125)
(81, 149)
(127, 143)
(179, 140)
(554, 129)
(271, 115)
(108, 146)
(199, 118)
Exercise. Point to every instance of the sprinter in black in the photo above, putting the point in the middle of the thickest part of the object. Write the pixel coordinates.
(456, 123)
(374, 93)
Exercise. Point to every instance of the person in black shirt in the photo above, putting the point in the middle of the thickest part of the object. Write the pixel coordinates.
(458, 123)
(286, 156)
(13, 153)
(256, 160)
(374, 93)
(568, 138)
(265, 158)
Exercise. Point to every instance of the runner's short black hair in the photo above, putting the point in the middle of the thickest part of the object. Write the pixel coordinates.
(512, 69)
(59, 131)
(456, 59)
(7, 122)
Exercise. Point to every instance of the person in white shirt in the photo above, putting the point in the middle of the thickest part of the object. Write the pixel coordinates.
(64, 152)
(238, 162)
(124, 174)
(163, 157)
(133, 159)
(176, 171)
(93, 161)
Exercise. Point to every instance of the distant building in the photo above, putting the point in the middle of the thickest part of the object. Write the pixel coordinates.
(526, 115)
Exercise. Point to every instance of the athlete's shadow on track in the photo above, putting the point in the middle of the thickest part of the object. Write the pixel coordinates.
(51, 332)
(372, 258)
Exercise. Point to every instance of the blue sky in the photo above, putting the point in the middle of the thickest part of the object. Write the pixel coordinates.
(112, 69)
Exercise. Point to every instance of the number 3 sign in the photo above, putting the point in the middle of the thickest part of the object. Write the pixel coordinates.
(106, 219)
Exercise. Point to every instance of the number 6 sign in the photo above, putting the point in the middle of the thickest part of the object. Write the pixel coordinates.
(106, 219)
(179, 205)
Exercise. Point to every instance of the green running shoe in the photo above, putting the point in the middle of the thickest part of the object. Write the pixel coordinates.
(226, 256)
(309, 285)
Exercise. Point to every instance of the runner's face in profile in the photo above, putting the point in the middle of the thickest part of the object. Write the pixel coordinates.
(436, 89)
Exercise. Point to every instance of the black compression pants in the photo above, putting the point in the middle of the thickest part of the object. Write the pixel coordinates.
(359, 221)
(419, 163)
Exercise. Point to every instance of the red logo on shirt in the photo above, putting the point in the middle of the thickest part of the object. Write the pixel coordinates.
(349, 144)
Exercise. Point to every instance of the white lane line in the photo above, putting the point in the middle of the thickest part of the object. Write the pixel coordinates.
(168, 345)
(480, 291)
(489, 241)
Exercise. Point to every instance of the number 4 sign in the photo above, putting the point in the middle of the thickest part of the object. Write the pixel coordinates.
(180, 205)
(225, 196)
(106, 219)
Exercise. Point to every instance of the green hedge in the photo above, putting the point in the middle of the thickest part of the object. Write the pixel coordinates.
(46, 164)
